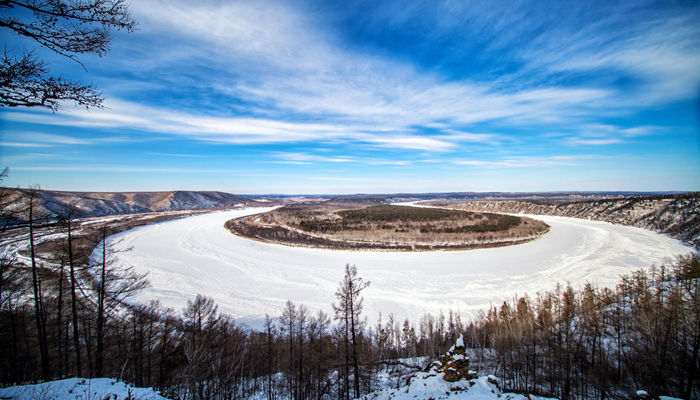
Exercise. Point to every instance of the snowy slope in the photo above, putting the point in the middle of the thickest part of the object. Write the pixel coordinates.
(94, 204)
(448, 378)
(425, 386)
(249, 279)
(79, 389)
(677, 216)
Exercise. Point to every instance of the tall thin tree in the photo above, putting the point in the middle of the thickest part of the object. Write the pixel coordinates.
(348, 310)
(36, 286)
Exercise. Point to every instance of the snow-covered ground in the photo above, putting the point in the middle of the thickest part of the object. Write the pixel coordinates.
(79, 389)
(448, 378)
(249, 279)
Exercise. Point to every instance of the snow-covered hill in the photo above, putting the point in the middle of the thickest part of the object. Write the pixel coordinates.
(448, 378)
(677, 216)
(79, 389)
(96, 204)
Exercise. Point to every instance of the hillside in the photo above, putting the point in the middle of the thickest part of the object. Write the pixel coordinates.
(96, 204)
(677, 216)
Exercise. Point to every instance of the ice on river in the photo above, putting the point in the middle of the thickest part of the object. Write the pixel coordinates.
(248, 279)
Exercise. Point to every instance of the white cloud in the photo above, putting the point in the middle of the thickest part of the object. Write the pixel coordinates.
(413, 143)
(22, 144)
(119, 169)
(526, 162)
(663, 53)
(593, 142)
(282, 62)
(605, 134)
(300, 84)
(307, 158)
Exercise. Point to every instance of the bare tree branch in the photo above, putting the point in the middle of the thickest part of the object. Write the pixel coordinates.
(65, 27)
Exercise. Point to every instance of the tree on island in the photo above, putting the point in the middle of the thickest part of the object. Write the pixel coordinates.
(66, 27)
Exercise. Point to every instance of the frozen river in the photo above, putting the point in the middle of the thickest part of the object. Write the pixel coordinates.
(248, 279)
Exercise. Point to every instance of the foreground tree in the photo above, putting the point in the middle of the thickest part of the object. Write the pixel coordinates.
(114, 284)
(65, 27)
(348, 311)
(39, 313)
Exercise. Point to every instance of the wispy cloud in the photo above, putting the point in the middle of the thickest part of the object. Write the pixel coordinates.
(124, 115)
(178, 155)
(605, 134)
(301, 71)
(305, 158)
(526, 161)
(299, 84)
(23, 144)
(661, 56)
(43, 139)
(123, 169)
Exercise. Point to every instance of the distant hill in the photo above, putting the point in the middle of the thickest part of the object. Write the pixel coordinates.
(563, 196)
(95, 204)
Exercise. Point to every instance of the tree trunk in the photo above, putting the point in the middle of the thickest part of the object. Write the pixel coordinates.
(59, 321)
(347, 360)
(356, 381)
(74, 300)
(100, 310)
(38, 308)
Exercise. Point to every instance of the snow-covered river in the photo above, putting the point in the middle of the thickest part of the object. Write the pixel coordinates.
(248, 279)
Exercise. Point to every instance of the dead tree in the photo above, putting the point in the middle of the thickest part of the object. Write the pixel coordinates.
(348, 311)
(36, 286)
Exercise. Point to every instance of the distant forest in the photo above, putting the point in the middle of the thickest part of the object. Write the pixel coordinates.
(568, 343)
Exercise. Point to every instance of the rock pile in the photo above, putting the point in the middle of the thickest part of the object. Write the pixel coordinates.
(454, 365)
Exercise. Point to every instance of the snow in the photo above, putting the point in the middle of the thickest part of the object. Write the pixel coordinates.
(435, 383)
(460, 342)
(426, 386)
(79, 389)
(247, 278)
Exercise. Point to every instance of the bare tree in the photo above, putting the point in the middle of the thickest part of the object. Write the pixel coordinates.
(270, 332)
(288, 324)
(114, 285)
(66, 220)
(65, 27)
(348, 311)
(39, 313)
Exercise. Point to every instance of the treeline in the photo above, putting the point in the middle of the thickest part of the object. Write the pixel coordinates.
(493, 223)
(601, 343)
(385, 212)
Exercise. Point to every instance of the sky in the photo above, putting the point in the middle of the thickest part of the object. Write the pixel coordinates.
(334, 97)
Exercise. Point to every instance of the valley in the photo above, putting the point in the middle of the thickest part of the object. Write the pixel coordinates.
(251, 278)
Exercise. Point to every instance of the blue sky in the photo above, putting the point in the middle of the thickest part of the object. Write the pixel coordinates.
(376, 97)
